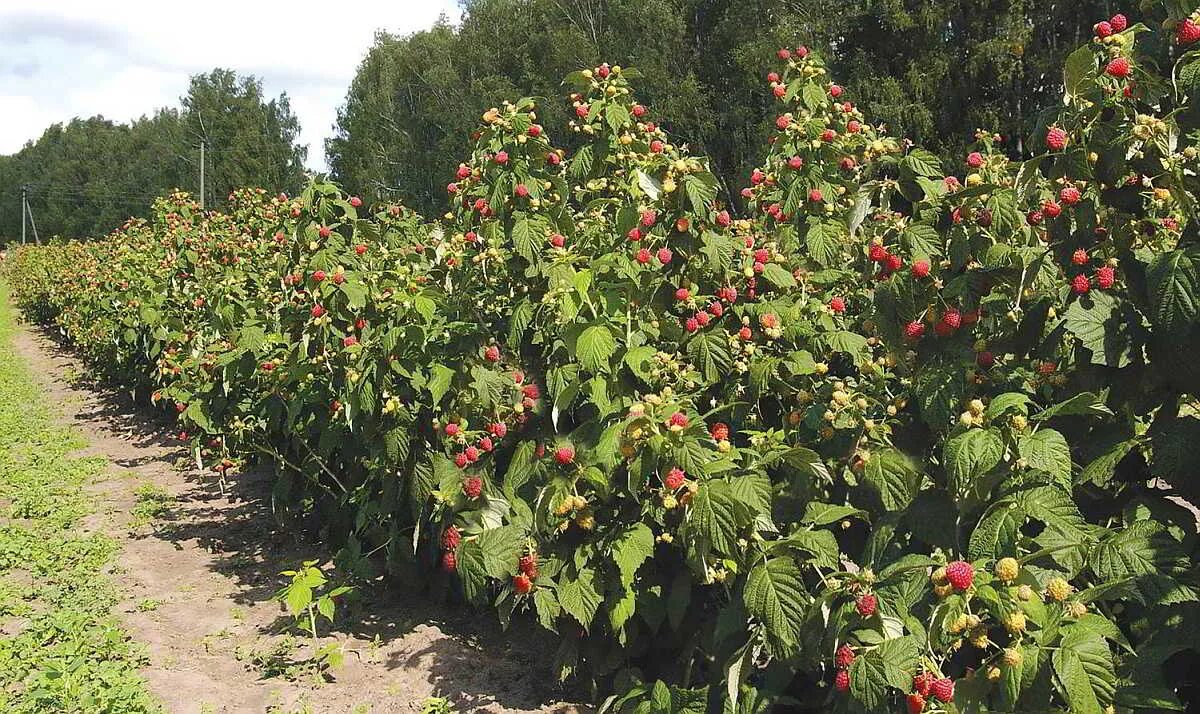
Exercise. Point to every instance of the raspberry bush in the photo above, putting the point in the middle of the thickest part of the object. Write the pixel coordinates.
(891, 438)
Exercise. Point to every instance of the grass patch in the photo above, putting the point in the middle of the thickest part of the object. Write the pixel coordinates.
(68, 653)
(151, 503)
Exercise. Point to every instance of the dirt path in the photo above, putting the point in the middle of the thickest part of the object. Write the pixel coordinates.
(198, 580)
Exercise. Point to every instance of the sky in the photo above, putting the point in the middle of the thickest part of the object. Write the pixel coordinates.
(124, 58)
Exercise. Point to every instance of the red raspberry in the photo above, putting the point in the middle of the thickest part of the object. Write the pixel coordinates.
(1034, 218)
(923, 682)
(1051, 209)
(639, 111)
(772, 77)
(472, 454)
(943, 689)
(452, 429)
(985, 359)
(449, 562)
(866, 604)
(835, 91)
(674, 478)
(1079, 257)
(521, 190)
(781, 122)
(634, 235)
(530, 390)
(1102, 29)
(1070, 195)
(920, 268)
(877, 253)
(716, 309)
(324, 231)
(837, 304)
(664, 255)
(682, 294)
(795, 162)
(1187, 32)
(1118, 67)
(317, 311)
(656, 147)
(1118, 22)
(942, 328)
(355, 201)
(643, 256)
(502, 157)
(816, 196)
(360, 249)
(558, 240)
(914, 330)
(486, 443)
(702, 318)
(894, 262)
(473, 486)
(564, 455)
(318, 276)
(828, 135)
(844, 657)
(498, 429)
(534, 130)
(1047, 368)
(784, 54)
(522, 584)
(691, 324)
(952, 317)
(724, 219)
(1105, 277)
(853, 127)
(960, 574)
(1056, 139)
(974, 159)
(1080, 284)
(719, 431)
(678, 419)
(528, 565)
(463, 171)
(451, 538)
(492, 353)
(841, 680)
(916, 704)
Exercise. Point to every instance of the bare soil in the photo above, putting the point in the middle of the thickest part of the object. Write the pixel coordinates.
(198, 580)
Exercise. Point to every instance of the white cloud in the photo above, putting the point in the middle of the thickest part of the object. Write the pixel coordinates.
(65, 58)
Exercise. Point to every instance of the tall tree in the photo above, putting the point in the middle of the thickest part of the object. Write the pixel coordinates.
(249, 140)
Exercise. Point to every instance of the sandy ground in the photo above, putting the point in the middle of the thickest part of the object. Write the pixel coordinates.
(198, 583)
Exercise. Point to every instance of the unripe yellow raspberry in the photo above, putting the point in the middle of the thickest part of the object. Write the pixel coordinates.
(993, 673)
(939, 576)
(1015, 623)
(1058, 589)
(1007, 569)
(1076, 609)
(1025, 593)
(959, 624)
(943, 590)
(1013, 657)
(979, 638)
(973, 621)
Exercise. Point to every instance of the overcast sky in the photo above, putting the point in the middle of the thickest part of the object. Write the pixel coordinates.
(65, 58)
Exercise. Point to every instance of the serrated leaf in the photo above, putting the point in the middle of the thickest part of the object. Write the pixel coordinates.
(594, 347)
(710, 354)
(1083, 667)
(775, 594)
(969, 455)
(632, 548)
(580, 597)
(1174, 286)
(892, 477)
(715, 516)
(1047, 450)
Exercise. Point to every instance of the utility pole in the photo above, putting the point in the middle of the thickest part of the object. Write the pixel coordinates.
(202, 174)
(23, 189)
(32, 223)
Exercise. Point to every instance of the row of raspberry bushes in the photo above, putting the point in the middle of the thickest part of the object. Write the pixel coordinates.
(896, 440)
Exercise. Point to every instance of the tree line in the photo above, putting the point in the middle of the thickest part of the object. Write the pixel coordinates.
(933, 70)
(87, 176)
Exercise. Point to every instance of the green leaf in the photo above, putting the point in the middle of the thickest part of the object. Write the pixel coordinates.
(823, 514)
(778, 276)
(892, 664)
(580, 597)
(892, 477)
(710, 354)
(1101, 469)
(439, 381)
(823, 242)
(1006, 402)
(632, 548)
(1096, 322)
(939, 388)
(1047, 450)
(594, 348)
(715, 516)
(1078, 70)
(1144, 550)
(701, 189)
(1083, 668)
(1174, 286)
(775, 594)
(1082, 404)
(500, 549)
(922, 241)
(649, 185)
(970, 455)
